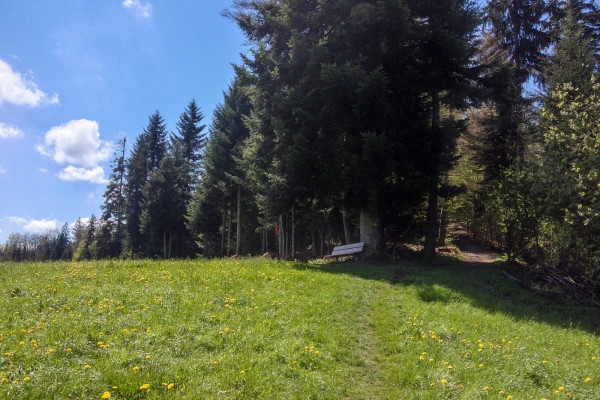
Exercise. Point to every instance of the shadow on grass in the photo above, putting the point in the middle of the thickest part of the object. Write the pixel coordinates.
(481, 284)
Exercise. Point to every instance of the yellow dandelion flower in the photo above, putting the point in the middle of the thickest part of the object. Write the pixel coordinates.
(486, 388)
(136, 368)
(148, 357)
(561, 388)
(21, 343)
(443, 381)
(26, 378)
(242, 372)
(86, 366)
(106, 395)
(69, 350)
(170, 386)
(588, 379)
(480, 365)
(509, 397)
(145, 386)
(544, 362)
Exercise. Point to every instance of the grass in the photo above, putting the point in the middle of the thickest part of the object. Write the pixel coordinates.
(246, 329)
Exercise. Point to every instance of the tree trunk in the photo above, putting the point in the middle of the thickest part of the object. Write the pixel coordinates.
(293, 235)
(229, 230)
(443, 225)
(347, 227)
(431, 231)
(170, 241)
(312, 236)
(238, 247)
(223, 233)
(281, 249)
(370, 230)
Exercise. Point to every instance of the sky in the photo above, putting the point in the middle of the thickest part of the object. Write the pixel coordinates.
(78, 75)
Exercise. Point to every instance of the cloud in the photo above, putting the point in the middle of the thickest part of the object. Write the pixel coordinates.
(2, 170)
(143, 9)
(9, 131)
(44, 170)
(40, 226)
(93, 175)
(76, 142)
(21, 91)
(17, 220)
(35, 226)
(0, 231)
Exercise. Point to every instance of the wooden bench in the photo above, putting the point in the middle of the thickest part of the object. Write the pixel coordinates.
(347, 250)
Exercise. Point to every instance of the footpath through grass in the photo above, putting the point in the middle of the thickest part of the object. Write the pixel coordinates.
(249, 329)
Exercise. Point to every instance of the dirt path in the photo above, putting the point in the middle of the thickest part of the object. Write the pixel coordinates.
(474, 253)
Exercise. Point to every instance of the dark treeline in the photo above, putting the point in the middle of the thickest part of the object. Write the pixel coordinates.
(379, 121)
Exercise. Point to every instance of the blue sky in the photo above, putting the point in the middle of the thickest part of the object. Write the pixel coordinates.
(77, 75)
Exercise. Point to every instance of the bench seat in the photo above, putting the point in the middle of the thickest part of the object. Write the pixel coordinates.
(346, 250)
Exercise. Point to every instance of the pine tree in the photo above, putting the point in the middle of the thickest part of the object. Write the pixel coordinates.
(113, 209)
(146, 155)
(163, 204)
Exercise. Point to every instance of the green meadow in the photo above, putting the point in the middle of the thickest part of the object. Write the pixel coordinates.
(252, 329)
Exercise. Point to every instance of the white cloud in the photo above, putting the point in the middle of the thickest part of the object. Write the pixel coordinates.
(2, 170)
(44, 170)
(17, 220)
(76, 142)
(143, 9)
(9, 131)
(40, 226)
(35, 226)
(19, 90)
(0, 231)
(93, 175)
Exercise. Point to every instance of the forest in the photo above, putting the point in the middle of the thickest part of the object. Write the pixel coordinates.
(381, 121)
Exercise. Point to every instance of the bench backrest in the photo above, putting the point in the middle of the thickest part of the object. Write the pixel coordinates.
(348, 249)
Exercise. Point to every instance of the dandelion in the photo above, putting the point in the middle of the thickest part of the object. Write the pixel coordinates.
(136, 368)
(145, 386)
(148, 357)
(480, 365)
(443, 381)
(242, 372)
(170, 386)
(26, 378)
(588, 379)
(106, 395)
(69, 350)
(561, 388)
(486, 388)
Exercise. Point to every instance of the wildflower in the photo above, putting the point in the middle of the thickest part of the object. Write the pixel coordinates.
(148, 357)
(588, 379)
(106, 395)
(69, 350)
(145, 386)
(136, 368)
(170, 386)
(26, 378)
(561, 388)
(480, 365)
(86, 366)
(509, 397)
(443, 381)
(242, 372)
(486, 388)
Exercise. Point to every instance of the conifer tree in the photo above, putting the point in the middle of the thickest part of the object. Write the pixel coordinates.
(113, 209)
(146, 155)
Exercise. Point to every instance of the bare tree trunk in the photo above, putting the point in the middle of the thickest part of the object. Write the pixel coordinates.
(293, 235)
(238, 247)
(229, 230)
(281, 248)
(164, 243)
(431, 231)
(170, 241)
(223, 233)
(347, 227)
(312, 236)
(443, 225)
(371, 232)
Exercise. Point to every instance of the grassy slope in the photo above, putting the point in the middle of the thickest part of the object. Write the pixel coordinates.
(263, 329)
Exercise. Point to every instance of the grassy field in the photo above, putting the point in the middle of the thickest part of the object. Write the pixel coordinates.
(248, 329)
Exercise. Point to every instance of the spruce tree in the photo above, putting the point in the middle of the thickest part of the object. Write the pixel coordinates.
(146, 155)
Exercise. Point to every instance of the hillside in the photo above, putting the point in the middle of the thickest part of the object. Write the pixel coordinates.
(235, 329)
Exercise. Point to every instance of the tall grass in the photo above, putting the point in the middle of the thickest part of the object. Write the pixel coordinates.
(246, 329)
